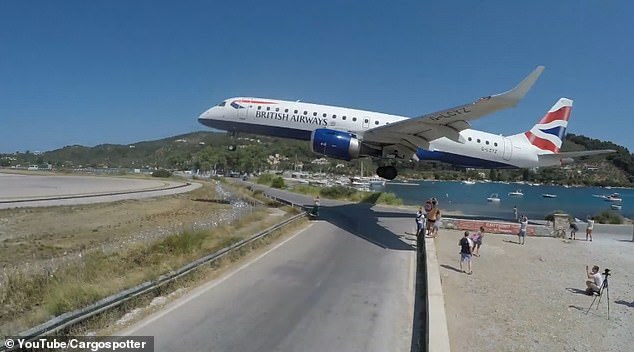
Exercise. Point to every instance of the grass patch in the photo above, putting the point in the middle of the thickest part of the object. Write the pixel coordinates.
(26, 300)
(347, 193)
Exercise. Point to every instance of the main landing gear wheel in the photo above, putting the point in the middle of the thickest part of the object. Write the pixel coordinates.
(387, 172)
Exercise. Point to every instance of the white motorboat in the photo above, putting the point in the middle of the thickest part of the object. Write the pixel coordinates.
(549, 195)
(494, 198)
(516, 193)
(614, 197)
(468, 182)
(616, 206)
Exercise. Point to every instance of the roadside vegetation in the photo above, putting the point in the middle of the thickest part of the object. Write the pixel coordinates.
(30, 297)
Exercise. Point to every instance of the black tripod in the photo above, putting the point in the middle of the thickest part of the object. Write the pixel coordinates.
(604, 288)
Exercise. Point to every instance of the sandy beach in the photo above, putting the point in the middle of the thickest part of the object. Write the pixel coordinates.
(530, 297)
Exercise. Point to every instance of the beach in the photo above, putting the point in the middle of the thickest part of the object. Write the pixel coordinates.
(530, 297)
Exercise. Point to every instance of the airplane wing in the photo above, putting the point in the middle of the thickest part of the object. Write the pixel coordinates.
(568, 157)
(419, 131)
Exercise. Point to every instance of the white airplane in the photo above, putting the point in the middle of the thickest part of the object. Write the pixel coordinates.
(346, 134)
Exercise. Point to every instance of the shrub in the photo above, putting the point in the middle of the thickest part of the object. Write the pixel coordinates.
(608, 217)
(278, 182)
(265, 179)
(161, 173)
(389, 198)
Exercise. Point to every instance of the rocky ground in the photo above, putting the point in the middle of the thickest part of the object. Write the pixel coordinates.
(530, 297)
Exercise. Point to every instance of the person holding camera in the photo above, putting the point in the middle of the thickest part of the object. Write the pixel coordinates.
(595, 282)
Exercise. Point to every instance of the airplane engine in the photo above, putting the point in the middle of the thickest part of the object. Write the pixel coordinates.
(335, 144)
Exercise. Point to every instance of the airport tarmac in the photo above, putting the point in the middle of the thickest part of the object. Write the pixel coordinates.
(20, 190)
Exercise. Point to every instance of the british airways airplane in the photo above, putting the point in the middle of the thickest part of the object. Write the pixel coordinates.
(445, 136)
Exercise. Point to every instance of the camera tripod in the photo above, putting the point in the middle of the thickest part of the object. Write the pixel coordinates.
(604, 288)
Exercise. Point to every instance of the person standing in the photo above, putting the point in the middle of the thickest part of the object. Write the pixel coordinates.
(432, 216)
(573, 230)
(420, 218)
(316, 206)
(515, 212)
(466, 248)
(522, 234)
(477, 241)
(589, 228)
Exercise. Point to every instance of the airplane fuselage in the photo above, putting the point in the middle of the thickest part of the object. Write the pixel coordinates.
(297, 120)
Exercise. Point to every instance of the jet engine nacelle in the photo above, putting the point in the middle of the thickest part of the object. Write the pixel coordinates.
(335, 144)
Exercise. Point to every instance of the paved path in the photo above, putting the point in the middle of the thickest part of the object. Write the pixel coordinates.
(344, 284)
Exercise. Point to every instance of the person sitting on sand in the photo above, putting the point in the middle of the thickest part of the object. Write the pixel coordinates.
(593, 285)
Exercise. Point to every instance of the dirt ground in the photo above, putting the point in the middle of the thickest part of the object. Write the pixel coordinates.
(36, 235)
(530, 297)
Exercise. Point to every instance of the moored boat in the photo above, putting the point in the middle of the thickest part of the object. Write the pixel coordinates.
(516, 193)
(549, 195)
(494, 198)
(614, 197)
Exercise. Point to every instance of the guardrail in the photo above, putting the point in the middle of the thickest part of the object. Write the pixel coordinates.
(68, 319)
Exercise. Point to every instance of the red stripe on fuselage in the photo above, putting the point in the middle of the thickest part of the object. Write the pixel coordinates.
(541, 143)
(255, 101)
(562, 114)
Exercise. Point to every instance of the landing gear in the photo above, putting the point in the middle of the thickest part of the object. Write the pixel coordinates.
(387, 172)
(232, 147)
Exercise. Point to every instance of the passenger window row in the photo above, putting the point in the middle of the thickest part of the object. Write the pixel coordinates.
(495, 144)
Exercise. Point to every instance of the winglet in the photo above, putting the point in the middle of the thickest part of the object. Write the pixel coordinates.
(516, 94)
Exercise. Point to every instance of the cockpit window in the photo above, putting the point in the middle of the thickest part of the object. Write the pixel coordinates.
(222, 104)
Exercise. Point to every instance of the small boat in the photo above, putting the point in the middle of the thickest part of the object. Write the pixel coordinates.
(493, 198)
(614, 197)
(616, 206)
(468, 182)
(516, 193)
(549, 195)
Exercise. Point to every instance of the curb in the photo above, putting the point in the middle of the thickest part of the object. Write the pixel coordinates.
(437, 319)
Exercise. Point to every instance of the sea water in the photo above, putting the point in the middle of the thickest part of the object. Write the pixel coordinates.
(455, 196)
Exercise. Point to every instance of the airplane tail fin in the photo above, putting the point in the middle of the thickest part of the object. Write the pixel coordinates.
(549, 132)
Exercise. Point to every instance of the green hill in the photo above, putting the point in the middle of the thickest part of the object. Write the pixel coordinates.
(208, 150)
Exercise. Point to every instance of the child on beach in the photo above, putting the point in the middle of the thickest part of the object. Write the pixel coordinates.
(521, 236)
(466, 248)
(477, 241)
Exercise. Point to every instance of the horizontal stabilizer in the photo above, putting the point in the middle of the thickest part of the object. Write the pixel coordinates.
(567, 157)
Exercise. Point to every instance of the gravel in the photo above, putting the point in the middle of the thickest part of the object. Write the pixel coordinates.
(530, 297)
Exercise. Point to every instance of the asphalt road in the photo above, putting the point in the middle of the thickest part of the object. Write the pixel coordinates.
(346, 283)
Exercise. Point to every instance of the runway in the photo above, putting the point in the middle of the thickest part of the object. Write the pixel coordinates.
(20, 190)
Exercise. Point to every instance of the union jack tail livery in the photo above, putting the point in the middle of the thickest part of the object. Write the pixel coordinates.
(548, 134)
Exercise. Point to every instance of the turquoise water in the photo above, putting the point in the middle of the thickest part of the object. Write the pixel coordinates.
(472, 199)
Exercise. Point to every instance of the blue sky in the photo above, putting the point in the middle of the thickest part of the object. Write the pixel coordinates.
(94, 72)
